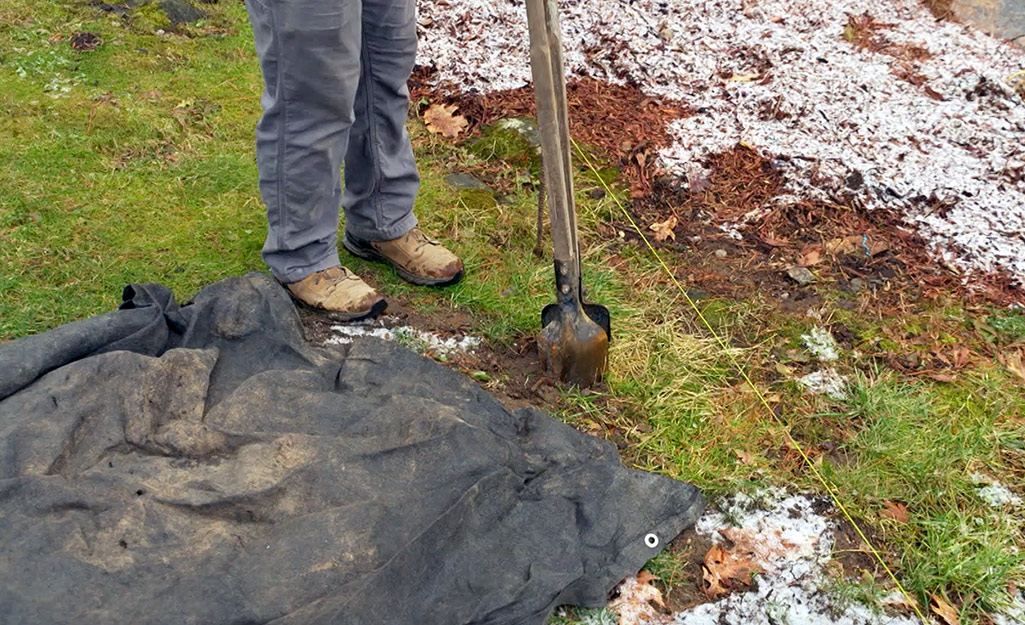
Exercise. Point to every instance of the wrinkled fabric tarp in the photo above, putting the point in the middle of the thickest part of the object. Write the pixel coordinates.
(203, 464)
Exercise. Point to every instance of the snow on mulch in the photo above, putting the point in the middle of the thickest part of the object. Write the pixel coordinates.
(432, 343)
(920, 120)
(791, 541)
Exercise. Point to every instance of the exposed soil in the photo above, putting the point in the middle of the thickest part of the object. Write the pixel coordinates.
(689, 549)
(514, 374)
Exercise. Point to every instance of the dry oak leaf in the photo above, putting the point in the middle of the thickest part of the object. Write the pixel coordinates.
(722, 568)
(857, 244)
(1013, 362)
(810, 257)
(942, 609)
(896, 511)
(441, 119)
(745, 457)
(664, 229)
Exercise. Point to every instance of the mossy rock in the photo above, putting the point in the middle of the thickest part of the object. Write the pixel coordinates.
(152, 15)
(512, 140)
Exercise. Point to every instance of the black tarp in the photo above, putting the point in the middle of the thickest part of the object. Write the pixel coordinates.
(203, 464)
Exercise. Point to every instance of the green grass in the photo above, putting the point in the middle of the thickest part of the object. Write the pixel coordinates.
(135, 163)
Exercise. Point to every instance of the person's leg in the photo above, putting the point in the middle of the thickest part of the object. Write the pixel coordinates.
(381, 179)
(309, 52)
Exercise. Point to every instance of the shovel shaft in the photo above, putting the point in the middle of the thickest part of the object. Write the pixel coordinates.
(553, 121)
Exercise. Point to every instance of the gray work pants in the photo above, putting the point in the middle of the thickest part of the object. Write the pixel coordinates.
(335, 75)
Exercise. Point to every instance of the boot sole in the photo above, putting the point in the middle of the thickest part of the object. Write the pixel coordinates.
(366, 252)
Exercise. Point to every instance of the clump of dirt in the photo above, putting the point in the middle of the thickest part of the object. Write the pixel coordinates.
(626, 126)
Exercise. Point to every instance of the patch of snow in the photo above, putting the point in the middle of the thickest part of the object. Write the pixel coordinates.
(993, 493)
(826, 381)
(1011, 614)
(793, 544)
(821, 344)
(429, 342)
(950, 160)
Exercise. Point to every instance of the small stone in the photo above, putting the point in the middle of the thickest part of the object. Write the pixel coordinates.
(720, 253)
(800, 275)
(462, 180)
(857, 284)
(596, 194)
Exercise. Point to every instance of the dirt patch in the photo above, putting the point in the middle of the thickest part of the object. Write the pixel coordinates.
(853, 557)
(512, 373)
(684, 590)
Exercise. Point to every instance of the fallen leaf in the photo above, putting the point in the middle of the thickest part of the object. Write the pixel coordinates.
(896, 511)
(942, 609)
(942, 377)
(1014, 364)
(809, 258)
(745, 457)
(441, 119)
(722, 568)
(961, 356)
(843, 245)
(757, 547)
(856, 244)
(634, 603)
(664, 229)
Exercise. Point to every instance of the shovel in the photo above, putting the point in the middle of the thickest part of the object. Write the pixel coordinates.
(575, 334)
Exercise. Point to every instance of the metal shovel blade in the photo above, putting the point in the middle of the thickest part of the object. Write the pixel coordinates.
(597, 313)
(572, 346)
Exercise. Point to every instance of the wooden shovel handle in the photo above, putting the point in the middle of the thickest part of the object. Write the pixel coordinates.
(553, 120)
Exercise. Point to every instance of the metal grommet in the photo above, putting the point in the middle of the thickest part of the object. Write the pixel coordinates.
(651, 541)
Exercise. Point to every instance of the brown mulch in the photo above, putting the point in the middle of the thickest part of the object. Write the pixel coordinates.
(625, 128)
(623, 124)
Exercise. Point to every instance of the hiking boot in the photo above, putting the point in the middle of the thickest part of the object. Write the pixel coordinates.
(339, 293)
(417, 259)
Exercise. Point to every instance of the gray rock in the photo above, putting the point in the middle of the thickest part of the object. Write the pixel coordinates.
(720, 253)
(181, 12)
(461, 180)
(800, 275)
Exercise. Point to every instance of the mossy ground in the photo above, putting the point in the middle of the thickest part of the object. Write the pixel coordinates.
(134, 162)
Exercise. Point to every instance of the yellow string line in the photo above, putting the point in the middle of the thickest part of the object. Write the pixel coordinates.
(761, 397)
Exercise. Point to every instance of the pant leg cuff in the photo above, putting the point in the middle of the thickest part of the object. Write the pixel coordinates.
(295, 274)
(398, 229)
